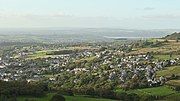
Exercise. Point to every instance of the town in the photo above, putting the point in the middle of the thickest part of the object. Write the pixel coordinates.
(120, 64)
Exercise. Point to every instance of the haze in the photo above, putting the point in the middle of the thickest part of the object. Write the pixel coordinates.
(130, 14)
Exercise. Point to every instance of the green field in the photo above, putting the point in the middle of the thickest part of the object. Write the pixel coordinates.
(41, 54)
(165, 57)
(68, 98)
(79, 98)
(155, 91)
(173, 97)
(173, 82)
(38, 54)
(169, 71)
(165, 48)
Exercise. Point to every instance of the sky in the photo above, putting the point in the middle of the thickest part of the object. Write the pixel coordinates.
(125, 14)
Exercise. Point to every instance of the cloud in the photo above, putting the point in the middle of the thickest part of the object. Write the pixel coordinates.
(53, 19)
(163, 16)
(148, 8)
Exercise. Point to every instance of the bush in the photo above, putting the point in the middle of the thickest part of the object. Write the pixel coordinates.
(57, 97)
(133, 97)
(67, 92)
(127, 97)
(16, 88)
(175, 87)
(147, 98)
(120, 96)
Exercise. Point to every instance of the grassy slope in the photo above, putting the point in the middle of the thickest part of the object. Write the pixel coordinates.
(79, 98)
(173, 97)
(173, 36)
(165, 48)
(156, 91)
(43, 54)
(38, 54)
(68, 98)
(169, 71)
(165, 57)
(174, 83)
(159, 91)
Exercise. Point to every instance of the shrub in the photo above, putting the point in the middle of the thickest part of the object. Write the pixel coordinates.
(147, 98)
(57, 97)
(67, 92)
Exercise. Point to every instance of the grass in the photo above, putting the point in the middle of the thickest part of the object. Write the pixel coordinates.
(68, 98)
(165, 57)
(81, 98)
(163, 91)
(40, 54)
(169, 71)
(45, 98)
(173, 97)
(43, 54)
(155, 91)
(173, 82)
(165, 48)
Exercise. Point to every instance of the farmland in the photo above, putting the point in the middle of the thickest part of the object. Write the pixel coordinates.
(68, 98)
(169, 71)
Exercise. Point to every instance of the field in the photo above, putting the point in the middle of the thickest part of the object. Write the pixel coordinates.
(163, 91)
(68, 98)
(50, 53)
(173, 97)
(165, 57)
(42, 54)
(155, 91)
(78, 98)
(165, 48)
(169, 71)
(38, 54)
(173, 82)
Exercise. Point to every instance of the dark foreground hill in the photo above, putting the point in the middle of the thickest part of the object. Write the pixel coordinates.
(173, 36)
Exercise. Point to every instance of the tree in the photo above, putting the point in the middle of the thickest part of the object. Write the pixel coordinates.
(3, 98)
(177, 40)
(165, 40)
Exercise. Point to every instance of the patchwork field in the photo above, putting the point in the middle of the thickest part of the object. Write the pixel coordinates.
(164, 48)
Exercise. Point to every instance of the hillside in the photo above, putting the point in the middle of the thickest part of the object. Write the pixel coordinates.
(173, 36)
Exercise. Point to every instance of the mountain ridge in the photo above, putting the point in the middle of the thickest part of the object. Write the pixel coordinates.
(173, 36)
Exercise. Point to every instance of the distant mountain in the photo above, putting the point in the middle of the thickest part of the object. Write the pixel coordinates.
(70, 35)
(173, 36)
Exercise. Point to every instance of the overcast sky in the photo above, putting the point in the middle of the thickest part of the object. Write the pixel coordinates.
(136, 14)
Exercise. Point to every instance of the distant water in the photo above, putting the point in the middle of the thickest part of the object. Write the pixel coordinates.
(76, 34)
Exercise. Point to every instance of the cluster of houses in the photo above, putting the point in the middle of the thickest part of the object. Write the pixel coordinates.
(116, 66)
(141, 65)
